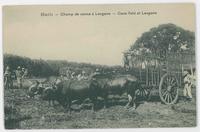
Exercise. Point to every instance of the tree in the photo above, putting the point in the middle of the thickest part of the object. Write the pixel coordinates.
(165, 38)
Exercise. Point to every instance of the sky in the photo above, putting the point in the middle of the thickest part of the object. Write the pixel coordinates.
(90, 39)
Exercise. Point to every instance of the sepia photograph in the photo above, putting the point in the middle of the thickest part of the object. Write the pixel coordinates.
(99, 66)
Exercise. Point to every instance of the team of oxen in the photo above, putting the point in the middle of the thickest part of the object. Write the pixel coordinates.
(101, 85)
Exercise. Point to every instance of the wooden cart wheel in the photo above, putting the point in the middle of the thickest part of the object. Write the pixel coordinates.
(168, 89)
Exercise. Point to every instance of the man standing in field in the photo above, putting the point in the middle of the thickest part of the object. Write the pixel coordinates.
(18, 73)
(7, 78)
(79, 77)
(25, 74)
(84, 76)
(126, 61)
(187, 91)
(23, 70)
(73, 75)
(97, 71)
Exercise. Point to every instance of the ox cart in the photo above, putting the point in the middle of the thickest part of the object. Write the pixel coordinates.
(160, 72)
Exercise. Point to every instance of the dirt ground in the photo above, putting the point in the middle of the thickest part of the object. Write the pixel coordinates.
(148, 113)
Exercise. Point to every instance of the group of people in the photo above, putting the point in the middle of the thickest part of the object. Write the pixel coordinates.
(80, 76)
(10, 75)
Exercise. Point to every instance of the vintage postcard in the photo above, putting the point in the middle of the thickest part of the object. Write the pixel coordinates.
(99, 66)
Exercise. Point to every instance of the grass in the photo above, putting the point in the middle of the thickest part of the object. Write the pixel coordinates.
(147, 114)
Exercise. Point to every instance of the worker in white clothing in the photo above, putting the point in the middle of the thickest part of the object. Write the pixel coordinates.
(187, 91)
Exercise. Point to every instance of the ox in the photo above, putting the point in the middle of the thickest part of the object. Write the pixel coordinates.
(100, 85)
(117, 85)
(65, 91)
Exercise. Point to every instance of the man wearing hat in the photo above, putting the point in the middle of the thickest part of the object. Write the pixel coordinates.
(73, 75)
(187, 92)
(97, 71)
(25, 73)
(23, 70)
(7, 78)
(84, 75)
(18, 73)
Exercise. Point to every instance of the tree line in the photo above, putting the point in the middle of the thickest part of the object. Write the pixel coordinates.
(45, 68)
